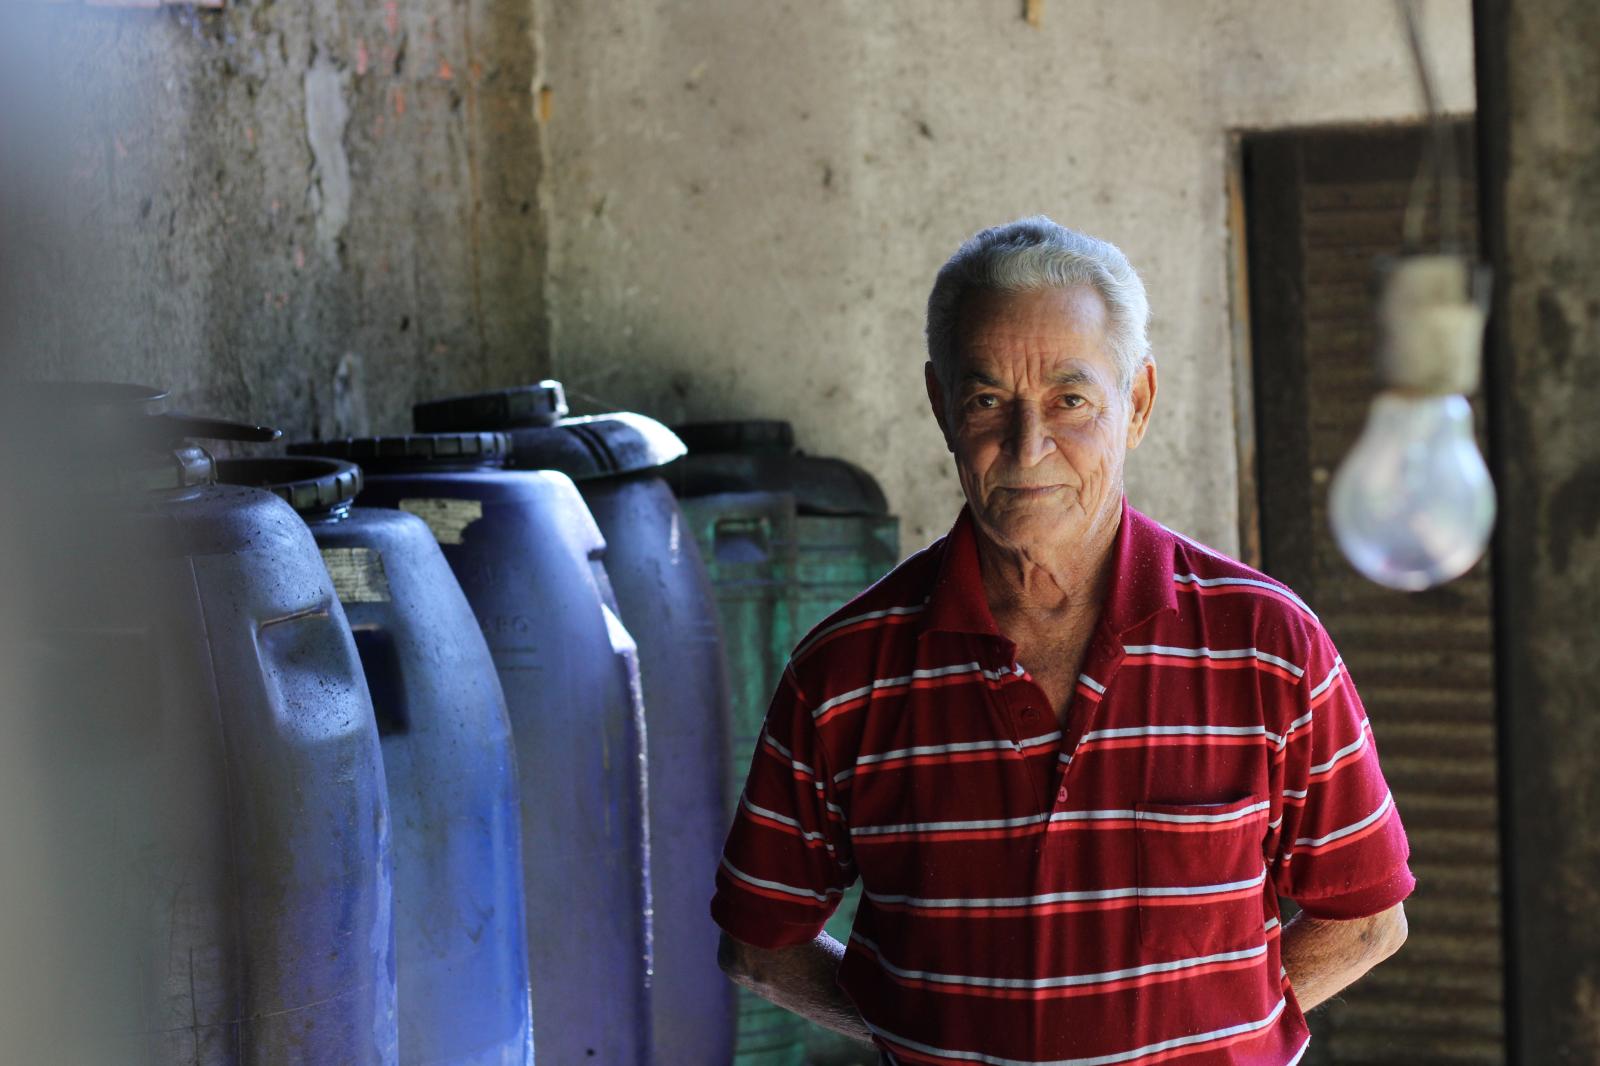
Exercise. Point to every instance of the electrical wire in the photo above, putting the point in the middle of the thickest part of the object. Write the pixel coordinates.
(1440, 158)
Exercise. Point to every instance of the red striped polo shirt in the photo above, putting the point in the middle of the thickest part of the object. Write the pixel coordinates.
(1101, 893)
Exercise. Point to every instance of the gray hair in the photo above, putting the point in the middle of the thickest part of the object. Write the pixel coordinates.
(1036, 253)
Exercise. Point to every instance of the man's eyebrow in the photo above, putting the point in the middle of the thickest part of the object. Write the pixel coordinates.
(1060, 377)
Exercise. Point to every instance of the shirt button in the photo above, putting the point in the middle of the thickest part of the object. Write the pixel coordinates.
(1061, 796)
(1030, 713)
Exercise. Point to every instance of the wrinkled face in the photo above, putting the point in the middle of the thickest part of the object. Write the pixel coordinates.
(1035, 417)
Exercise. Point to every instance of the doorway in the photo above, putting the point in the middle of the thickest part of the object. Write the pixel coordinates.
(1318, 207)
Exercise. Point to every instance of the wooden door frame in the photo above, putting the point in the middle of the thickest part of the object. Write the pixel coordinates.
(1241, 358)
(1241, 362)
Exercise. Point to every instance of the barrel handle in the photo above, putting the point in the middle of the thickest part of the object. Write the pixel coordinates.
(742, 539)
(380, 662)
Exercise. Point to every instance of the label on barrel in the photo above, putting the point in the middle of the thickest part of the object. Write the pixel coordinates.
(447, 518)
(357, 574)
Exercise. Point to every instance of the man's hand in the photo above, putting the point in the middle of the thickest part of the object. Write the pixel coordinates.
(800, 979)
(1324, 957)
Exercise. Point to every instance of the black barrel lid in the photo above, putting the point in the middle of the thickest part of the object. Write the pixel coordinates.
(412, 451)
(589, 447)
(760, 456)
(596, 446)
(737, 436)
(310, 484)
(113, 436)
(516, 408)
(197, 426)
(820, 486)
(94, 399)
(99, 414)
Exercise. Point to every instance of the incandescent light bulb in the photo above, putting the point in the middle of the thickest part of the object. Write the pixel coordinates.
(1412, 505)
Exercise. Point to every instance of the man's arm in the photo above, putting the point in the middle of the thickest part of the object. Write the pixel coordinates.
(1324, 957)
(800, 979)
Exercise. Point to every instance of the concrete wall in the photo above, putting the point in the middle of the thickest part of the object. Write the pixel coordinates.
(309, 213)
(1541, 164)
(317, 213)
(748, 201)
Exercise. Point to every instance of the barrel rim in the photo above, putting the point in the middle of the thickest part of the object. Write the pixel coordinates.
(519, 407)
(308, 483)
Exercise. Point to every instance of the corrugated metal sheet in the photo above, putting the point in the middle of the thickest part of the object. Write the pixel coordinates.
(1423, 663)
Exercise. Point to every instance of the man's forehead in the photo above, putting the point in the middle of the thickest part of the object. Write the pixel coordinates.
(1063, 349)
(1054, 331)
(1075, 306)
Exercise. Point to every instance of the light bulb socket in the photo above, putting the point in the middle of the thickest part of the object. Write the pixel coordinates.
(1431, 316)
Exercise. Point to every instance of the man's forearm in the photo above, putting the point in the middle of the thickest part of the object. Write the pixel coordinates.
(1324, 957)
(801, 979)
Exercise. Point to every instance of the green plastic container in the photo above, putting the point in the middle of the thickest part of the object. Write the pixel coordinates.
(780, 561)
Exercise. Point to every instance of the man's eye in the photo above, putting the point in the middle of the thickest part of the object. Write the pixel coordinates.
(1073, 401)
(986, 400)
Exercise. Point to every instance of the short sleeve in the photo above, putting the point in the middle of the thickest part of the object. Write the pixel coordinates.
(787, 860)
(1341, 851)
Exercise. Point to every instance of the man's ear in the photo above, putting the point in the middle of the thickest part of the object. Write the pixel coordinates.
(930, 378)
(1143, 402)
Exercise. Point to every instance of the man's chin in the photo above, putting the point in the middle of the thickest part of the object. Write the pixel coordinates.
(1043, 519)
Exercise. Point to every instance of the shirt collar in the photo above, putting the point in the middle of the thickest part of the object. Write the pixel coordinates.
(1141, 579)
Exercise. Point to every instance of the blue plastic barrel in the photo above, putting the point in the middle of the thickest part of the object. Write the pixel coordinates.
(660, 582)
(530, 560)
(460, 947)
(219, 798)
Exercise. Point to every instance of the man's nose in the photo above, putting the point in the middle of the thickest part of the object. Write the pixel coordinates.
(1030, 436)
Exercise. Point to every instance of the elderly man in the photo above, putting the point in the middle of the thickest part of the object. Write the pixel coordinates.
(1073, 756)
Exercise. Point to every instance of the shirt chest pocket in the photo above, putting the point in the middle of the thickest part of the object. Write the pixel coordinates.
(1201, 876)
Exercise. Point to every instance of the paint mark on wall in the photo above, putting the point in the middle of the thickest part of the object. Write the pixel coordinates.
(350, 417)
(327, 113)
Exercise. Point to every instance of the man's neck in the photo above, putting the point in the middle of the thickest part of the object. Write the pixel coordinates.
(1064, 579)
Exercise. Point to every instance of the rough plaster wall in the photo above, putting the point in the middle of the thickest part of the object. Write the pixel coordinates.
(1545, 154)
(749, 201)
(312, 214)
